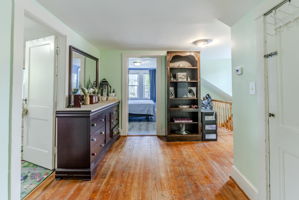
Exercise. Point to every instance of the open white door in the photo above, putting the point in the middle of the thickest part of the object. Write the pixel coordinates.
(283, 82)
(39, 122)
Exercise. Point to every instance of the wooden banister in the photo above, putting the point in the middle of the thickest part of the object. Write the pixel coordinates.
(224, 114)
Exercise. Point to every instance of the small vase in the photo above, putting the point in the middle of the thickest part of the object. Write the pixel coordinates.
(77, 101)
(86, 100)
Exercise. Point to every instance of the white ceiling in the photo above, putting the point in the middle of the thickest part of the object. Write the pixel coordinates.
(152, 24)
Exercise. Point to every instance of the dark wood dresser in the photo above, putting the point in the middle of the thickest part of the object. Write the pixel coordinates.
(84, 135)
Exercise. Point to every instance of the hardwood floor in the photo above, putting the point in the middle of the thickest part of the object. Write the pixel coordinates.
(142, 128)
(148, 168)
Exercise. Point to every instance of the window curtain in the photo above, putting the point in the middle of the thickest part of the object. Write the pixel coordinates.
(152, 74)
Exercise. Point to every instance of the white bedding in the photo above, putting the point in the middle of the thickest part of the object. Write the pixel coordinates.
(142, 107)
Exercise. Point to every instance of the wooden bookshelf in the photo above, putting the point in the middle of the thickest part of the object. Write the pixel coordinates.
(183, 98)
(192, 81)
(183, 79)
(183, 122)
(184, 109)
(195, 67)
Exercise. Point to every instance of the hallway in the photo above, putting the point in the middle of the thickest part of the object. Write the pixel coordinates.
(147, 168)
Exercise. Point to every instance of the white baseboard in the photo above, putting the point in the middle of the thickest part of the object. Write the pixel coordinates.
(244, 184)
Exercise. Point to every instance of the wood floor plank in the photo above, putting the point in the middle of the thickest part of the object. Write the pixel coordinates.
(148, 168)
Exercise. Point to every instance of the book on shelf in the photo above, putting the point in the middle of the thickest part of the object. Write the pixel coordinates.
(182, 120)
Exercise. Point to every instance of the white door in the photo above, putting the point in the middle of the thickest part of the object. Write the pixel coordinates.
(283, 81)
(39, 122)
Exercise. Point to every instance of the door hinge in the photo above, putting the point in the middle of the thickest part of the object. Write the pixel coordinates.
(269, 55)
(57, 51)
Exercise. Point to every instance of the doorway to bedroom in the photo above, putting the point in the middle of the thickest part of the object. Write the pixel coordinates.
(142, 96)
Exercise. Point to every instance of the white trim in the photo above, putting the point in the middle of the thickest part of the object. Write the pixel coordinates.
(22, 9)
(244, 184)
(16, 110)
(124, 95)
(262, 108)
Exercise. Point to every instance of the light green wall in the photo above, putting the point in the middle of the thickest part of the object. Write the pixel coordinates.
(5, 99)
(246, 135)
(205, 90)
(111, 69)
(218, 72)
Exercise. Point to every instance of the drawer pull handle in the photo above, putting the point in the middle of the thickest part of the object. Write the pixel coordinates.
(94, 139)
(94, 125)
(102, 145)
(94, 154)
(102, 120)
(102, 132)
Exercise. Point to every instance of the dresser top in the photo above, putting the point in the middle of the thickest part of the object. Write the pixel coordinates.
(91, 107)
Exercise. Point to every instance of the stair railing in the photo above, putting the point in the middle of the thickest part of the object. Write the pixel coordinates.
(224, 114)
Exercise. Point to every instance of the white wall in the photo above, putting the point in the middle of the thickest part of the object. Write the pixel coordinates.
(249, 110)
(5, 98)
(218, 72)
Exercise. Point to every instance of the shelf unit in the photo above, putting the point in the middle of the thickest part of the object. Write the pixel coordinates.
(178, 63)
(209, 122)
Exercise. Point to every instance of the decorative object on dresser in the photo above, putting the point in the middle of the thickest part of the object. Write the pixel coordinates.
(183, 114)
(83, 75)
(105, 89)
(209, 122)
(84, 135)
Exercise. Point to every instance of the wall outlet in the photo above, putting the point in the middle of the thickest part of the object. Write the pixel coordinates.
(252, 88)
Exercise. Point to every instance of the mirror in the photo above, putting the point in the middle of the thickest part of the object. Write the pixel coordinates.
(83, 69)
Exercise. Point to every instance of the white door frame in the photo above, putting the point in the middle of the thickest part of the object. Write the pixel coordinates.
(124, 95)
(22, 9)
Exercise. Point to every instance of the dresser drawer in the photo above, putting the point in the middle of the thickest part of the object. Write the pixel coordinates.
(97, 142)
(97, 122)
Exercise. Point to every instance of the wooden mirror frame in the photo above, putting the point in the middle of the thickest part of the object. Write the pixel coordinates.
(74, 49)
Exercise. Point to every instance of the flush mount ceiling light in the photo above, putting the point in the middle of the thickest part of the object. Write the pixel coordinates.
(202, 42)
(137, 63)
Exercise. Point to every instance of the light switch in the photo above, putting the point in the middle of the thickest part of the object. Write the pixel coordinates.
(252, 88)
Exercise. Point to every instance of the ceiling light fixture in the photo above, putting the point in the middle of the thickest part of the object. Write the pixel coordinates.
(137, 63)
(202, 42)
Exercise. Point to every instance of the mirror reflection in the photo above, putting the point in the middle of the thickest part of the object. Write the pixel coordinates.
(83, 71)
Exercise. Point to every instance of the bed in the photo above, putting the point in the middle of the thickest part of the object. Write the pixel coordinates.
(142, 107)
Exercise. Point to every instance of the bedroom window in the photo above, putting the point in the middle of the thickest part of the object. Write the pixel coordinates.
(139, 84)
(133, 85)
